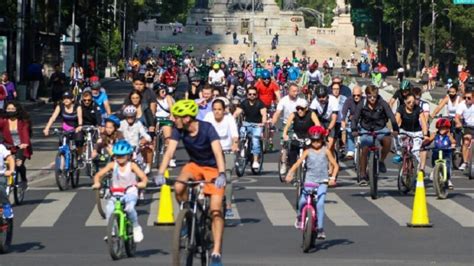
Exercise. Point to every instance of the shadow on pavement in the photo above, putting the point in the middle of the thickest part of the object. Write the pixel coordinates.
(235, 223)
(330, 243)
(37, 201)
(149, 252)
(24, 247)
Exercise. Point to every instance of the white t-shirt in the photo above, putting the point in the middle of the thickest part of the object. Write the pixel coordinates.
(315, 76)
(333, 107)
(466, 113)
(226, 129)
(216, 76)
(286, 106)
(330, 63)
(4, 153)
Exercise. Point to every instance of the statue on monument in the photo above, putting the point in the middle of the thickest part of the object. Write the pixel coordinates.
(289, 5)
(244, 5)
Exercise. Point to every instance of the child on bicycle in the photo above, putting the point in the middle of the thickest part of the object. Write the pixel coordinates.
(108, 138)
(5, 157)
(319, 160)
(124, 174)
(443, 139)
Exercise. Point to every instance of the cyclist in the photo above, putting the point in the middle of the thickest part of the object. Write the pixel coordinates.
(124, 174)
(319, 160)
(216, 76)
(400, 94)
(201, 141)
(5, 157)
(413, 123)
(136, 134)
(255, 116)
(108, 137)
(100, 97)
(287, 104)
(341, 99)
(326, 108)
(238, 88)
(268, 90)
(194, 89)
(170, 78)
(205, 103)
(76, 72)
(226, 128)
(91, 114)
(465, 118)
(451, 101)
(372, 115)
(347, 113)
(148, 95)
(300, 122)
(164, 103)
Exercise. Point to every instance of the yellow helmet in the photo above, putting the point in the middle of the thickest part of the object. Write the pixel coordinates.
(215, 66)
(185, 107)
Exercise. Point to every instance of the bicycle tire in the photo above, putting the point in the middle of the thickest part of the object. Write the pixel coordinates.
(62, 179)
(470, 164)
(100, 203)
(439, 186)
(6, 234)
(183, 247)
(158, 144)
(19, 193)
(130, 245)
(403, 178)
(298, 186)
(241, 161)
(207, 243)
(308, 232)
(356, 164)
(266, 138)
(114, 241)
(372, 173)
(74, 171)
(281, 176)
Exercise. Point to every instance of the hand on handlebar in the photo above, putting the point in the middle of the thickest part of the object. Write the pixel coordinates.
(221, 181)
(46, 132)
(355, 134)
(395, 133)
(286, 138)
(160, 179)
(96, 185)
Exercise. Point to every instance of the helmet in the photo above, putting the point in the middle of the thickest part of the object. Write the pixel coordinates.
(405, 85)
(122, 147)
(317, 132)
(160, 86)
(95, 85)
(114, 119)
(300, 102)
(68, 95)
(266, 74)
(321, 91)
(215, 66)
(195, 78)
(312, 67)
(450, 81)
(240, 75)
(94, 79)
(262, 60)
(443, 122)
(130, 111)
(185, 107)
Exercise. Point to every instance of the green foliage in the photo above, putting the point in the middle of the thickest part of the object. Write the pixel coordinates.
(110, 44)
(323, 6)
(172, 10)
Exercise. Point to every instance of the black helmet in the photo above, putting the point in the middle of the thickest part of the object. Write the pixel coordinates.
(240, 75)
(321, 91)
(160, 86)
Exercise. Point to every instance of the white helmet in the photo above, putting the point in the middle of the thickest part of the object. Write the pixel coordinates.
(129, 111)
(300, 102)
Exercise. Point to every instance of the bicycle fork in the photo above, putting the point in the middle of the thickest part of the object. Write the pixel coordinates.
(309, 206)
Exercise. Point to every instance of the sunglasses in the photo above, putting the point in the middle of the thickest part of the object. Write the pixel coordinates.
(251, 94)
(356, 95)
(321, 97)
(87, 100)
(372, 97)
(299, 108)
(468, 98)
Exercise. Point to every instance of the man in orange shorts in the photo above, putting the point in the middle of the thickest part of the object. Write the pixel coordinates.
(201, 142)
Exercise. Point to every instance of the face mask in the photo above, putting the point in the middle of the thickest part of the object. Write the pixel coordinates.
(452, 96)
(11, 114)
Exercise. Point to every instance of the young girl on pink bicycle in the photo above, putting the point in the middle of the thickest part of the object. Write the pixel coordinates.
(319, 161)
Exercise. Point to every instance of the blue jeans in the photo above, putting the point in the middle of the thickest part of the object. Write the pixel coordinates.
(350, 142)
(255, 131)
(321, 198)
(130, 201)
(366, 140)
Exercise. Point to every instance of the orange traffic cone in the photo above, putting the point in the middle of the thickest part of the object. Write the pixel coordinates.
(420, 211)
(165, 214)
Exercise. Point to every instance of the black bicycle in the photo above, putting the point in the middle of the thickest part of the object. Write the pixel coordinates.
(245, 156)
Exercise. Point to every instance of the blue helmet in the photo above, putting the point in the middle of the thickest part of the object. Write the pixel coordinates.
(266, 74)
(114, 119)
(122, 147)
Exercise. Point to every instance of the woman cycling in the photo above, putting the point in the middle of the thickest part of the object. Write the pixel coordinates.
(108, 138)
(15, 126)
(71, 116)
(144, 114)
(451, 101)
(300, 121)
(164, 102)
(194, 90)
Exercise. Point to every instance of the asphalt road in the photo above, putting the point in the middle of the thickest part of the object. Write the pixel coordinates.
(62, 228)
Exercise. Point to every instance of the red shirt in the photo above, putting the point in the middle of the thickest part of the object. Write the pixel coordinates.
(266, 93)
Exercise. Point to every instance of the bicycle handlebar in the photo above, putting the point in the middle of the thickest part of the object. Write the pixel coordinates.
(193, 183)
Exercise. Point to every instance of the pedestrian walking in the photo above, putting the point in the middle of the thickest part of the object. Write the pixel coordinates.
(56, 83)
(34, 74)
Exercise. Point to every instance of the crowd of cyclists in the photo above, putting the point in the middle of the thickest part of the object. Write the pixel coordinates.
(225, 99)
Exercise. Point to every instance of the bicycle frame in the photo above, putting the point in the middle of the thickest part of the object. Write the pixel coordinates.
(442, 161)
(309, 207)
(123, 220)
(66, 151)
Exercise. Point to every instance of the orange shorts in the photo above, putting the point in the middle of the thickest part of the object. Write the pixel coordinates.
(204, 172)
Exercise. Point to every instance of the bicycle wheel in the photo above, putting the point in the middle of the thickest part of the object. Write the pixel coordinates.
(74, 171)
(439, 185)
(207, 243)
(158, 150)
(62, 179)
(266, 137)
(101, 198)
(130, 245)
(114, 241)
(404, 178)
(356, 163)
(307, 232)
(297, 184)
(372, 173)
(19, 193)
(6, 234)
(183, 239)
(280, 164)
(241, 160)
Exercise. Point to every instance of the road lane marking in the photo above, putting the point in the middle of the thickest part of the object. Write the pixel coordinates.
(48, 211)
(393, 208)
(340, 213)
(453, 210)
(153, 211)
(95, 219)
(278, 209)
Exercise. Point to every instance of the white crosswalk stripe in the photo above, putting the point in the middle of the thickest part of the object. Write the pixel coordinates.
(393, 208)
(278, 208)
(453, 210)
(49, 210)
(95, 219)
(340, 213)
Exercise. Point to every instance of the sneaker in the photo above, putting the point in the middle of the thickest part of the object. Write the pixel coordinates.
(350, 155)
(137, 234)
(283, 169)
(172, 163)
(141, 195)
(105, 238)
(431, 175)
(450, 184)
(321, 235)
(462, 167)
(216, 260)
(229, 213)
(298, 223)
(363, 182)
(255, 165)
(7, 211)
(147, 169)
(382, 167)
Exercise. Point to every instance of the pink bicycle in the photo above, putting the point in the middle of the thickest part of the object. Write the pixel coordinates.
(309, 218)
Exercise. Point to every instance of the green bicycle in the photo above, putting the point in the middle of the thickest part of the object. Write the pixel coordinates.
(120, 228)
(440, 174)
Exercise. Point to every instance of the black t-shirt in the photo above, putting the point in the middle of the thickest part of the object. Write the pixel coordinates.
(252, 112)
(195, 95)
(398, 95)
(91, 115)
(302, 124)
(410, 121)
(240, 89)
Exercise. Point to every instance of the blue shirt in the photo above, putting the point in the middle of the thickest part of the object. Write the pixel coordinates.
(293, 73)
(442, 142)
(100, 99)
(203, 110)
(199, 147)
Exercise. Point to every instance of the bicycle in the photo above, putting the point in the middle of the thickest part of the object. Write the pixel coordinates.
(90, 136)
(119, 227)
(309, 217)
(470, 160)
(267, 130)
(356, 160)
(407, 170)
(193, 232)
(16, 188)
(440, 174)
(301, 171)
(457, 159)
(102, 195)
(77, 86)
(66, 170)
(245, 156)
(159, 144)
(6, 232)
